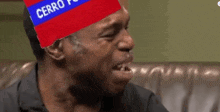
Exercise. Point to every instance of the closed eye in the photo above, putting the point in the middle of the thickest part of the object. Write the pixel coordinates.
(110, 34)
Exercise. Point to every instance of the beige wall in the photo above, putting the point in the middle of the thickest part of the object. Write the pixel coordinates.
(175, 30)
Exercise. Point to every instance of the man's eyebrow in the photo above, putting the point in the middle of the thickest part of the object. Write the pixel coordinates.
(115, 24)
(109, 26)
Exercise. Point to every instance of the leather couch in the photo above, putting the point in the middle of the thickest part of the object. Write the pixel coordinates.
(182, 86)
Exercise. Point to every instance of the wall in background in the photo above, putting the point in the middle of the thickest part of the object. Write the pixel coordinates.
(163, 31)
(14, 44)
(175, 30)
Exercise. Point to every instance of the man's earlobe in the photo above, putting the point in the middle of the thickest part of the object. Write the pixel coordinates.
(55, 51)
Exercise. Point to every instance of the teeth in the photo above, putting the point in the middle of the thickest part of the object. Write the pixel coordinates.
(122, 68)
(119, 66)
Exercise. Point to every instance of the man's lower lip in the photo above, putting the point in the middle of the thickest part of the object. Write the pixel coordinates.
(122, 76)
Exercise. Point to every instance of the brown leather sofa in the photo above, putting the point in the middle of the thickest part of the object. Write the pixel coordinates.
(182, 86)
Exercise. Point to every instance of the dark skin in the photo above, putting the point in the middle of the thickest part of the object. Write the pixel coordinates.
(76, 79)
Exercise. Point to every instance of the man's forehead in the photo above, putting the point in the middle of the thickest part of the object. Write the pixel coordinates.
(108, 21)
(120, 13)
(111, 19)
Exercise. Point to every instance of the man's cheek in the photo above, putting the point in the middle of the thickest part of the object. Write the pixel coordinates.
(80, 49)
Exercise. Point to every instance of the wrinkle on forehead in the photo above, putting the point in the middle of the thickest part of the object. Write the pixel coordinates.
(114, 18)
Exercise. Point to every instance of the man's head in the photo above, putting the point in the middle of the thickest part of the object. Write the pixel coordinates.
(96, 56)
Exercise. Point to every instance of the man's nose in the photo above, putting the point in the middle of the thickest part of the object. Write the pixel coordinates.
(127, 43)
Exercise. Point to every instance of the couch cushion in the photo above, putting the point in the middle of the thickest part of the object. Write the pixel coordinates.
(12, 71)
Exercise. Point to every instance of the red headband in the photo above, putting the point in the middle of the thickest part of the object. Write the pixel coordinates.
(55, 19)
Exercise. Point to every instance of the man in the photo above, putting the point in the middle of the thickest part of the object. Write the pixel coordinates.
(84, 72)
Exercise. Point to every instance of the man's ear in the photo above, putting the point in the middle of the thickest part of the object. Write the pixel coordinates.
(55, 51)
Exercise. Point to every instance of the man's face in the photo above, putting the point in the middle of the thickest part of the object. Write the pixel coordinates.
(102, 57)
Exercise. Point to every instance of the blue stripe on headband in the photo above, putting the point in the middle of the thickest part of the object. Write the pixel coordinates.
(49, 9)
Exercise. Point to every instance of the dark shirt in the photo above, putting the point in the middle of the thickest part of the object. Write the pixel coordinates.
(23, 96)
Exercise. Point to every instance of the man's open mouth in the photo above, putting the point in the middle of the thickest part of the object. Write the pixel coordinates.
(122, 67)
(122, 74)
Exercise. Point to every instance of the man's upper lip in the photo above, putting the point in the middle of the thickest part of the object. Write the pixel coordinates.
(127, 60)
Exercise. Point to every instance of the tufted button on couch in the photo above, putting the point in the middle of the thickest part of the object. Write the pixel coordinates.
(182, 86)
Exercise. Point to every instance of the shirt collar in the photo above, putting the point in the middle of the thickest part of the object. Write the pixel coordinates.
(29, 96)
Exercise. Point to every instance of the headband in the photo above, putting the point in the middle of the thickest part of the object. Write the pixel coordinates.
(56, 19)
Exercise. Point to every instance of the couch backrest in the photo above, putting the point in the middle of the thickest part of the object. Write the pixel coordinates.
(183, 87)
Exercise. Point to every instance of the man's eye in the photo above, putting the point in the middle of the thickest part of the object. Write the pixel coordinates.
(110, 35)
